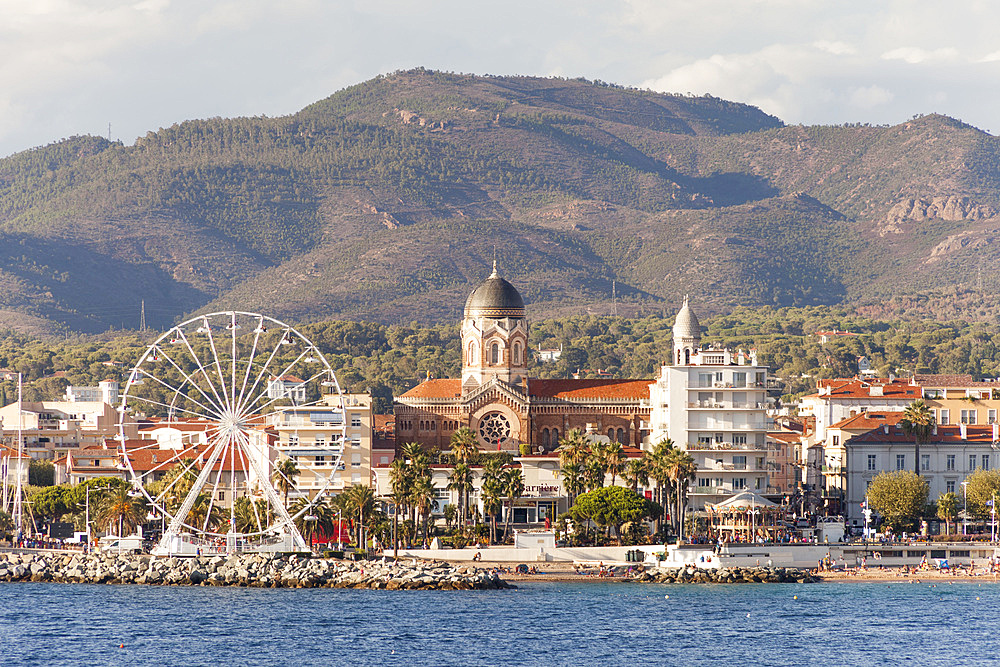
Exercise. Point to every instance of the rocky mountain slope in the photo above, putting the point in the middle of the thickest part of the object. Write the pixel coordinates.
(387, 200)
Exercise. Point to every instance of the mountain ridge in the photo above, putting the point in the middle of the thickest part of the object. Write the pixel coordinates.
(384, 201)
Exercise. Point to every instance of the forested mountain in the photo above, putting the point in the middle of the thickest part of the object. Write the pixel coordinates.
(385, 202)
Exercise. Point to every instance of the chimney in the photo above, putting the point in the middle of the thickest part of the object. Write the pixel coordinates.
(996, 432)
(963, 431)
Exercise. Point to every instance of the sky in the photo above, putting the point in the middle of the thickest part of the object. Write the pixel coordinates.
(70, 67)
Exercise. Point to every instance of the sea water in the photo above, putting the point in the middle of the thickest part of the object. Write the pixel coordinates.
(587, 623)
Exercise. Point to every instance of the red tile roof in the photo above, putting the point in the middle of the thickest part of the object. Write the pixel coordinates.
(590, 389)
(946, 435)
(854, 388)
(788, 437)
(439, 388)
(948, 381)
(866, 421)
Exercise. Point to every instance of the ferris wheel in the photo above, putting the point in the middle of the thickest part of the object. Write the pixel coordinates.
(197, 426)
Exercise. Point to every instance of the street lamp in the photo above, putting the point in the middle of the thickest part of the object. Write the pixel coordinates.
(965, 509)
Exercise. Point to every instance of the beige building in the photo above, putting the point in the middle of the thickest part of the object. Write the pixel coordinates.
(315, 437)
(958, 399)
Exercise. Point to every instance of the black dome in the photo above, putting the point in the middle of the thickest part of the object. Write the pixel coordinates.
(495, 297)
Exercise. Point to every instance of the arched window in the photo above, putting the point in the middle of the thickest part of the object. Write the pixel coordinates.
(621, 436)
(611, 434)
(472, 353)
(495, 354)
(678, 357)
(545, 437)
(517, 353)
(555, 437)
(687, 356)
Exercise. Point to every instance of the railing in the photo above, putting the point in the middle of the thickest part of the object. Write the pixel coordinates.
(726, 446)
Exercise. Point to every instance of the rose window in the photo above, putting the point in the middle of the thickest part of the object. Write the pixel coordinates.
(494, 428)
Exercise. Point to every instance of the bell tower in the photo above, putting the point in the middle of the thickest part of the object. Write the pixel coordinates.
(687, 335)
(494, 334)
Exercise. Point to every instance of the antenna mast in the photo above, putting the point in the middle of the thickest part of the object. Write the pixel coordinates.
(142, 317)
(18, 507)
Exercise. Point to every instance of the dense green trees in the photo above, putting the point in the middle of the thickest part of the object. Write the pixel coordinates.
(388, 360)
(613, 506)
(983, 487)
(900, 497)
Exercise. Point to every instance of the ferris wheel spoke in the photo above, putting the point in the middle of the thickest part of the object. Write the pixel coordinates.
(185, 469)
(180, 517)
(228, 401)
(252, 501)
(263, 371)
(177, 392)
(252, 407)
(174, 408)
(215, 487)
(201, 367)
(188, 380)
(253, 355)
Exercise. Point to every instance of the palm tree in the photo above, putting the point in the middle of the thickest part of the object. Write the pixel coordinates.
(460, 480)
(614, 459)
(119, 509)
(361, 501)
(947, 509)
(492, 492)
(244, 519)
(594, 473)
(463, 445)
(680, 468)
(573, 480)
(917, 422)
(401, 482)
(513, 487)
(305, 519)
(422, 497)
(284, 473)
(573, 450)
(204, 513)
(658, 470)
(636, 473)
(411, 450)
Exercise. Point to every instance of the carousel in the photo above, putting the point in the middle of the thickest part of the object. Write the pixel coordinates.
(746, 517)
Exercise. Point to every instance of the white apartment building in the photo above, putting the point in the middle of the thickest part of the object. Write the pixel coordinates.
(951, 454)
(713, 404)
(315, 436)
(106, 391)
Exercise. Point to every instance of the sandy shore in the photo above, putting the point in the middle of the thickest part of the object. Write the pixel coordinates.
(565, 572)
(895, 575)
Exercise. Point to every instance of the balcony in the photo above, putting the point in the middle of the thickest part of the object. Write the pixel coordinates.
(713, 446)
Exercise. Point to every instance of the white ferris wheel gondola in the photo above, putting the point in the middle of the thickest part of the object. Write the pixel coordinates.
(216, 392)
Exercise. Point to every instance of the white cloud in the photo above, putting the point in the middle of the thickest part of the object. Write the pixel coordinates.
(70, 66)
(915, 56)
(869, 97)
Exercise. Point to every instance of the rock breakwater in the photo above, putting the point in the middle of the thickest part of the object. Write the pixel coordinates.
(254, 570)
(727, 575)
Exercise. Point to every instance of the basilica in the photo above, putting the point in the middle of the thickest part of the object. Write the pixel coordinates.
(497, 400)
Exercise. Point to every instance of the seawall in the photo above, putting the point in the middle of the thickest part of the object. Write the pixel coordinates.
(252, 570)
